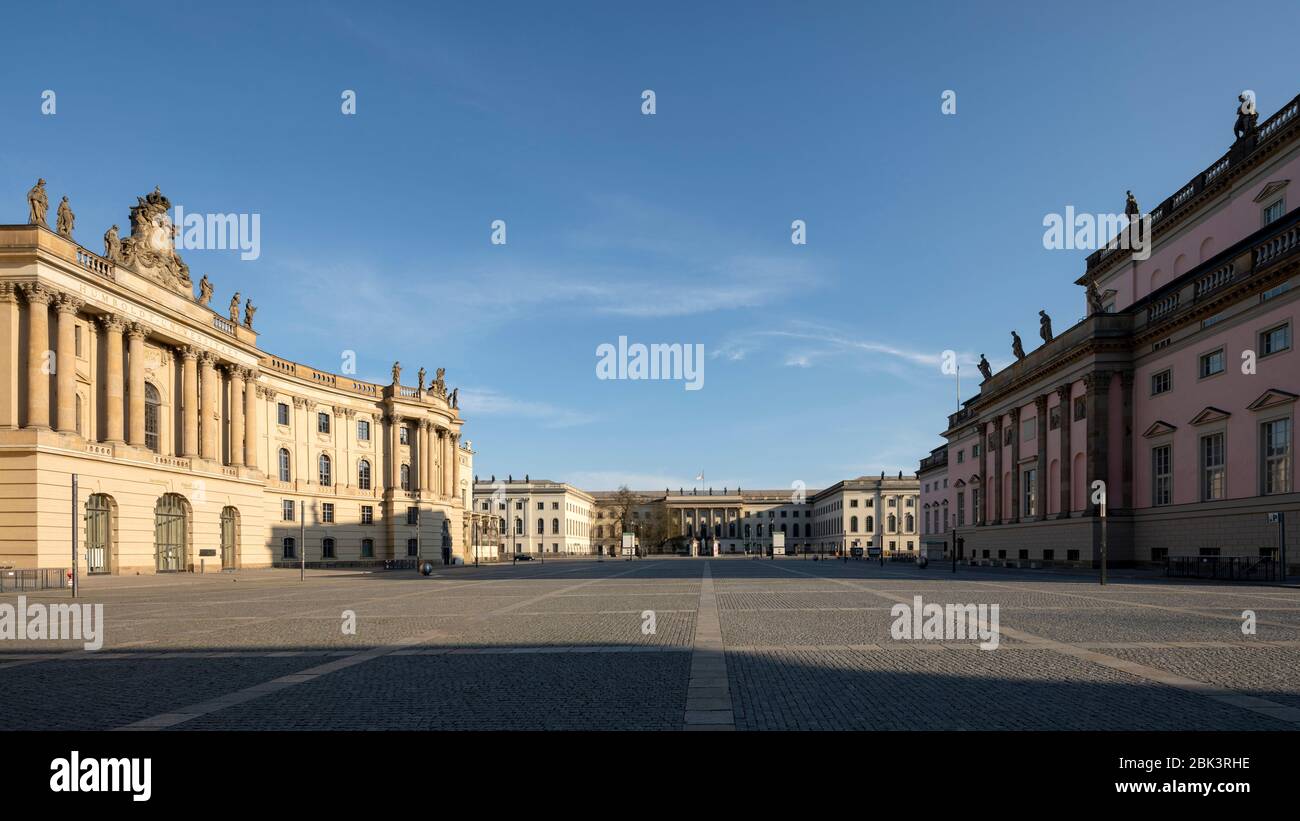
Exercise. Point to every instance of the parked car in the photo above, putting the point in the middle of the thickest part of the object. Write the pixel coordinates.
(523, 557)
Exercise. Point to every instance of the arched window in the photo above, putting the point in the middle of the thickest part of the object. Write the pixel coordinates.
(152, 413)
(541, 527)
(911, 523)
(796, 531)
(853, 524)
(406, 477)
(325, 475)
(871, 524)
(893, 523)
(519, 526)
(555, 527)
(284, 464)
(99, 523)
(363, 475)
(170, 532)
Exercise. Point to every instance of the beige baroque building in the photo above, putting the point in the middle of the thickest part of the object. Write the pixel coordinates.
(193, 448)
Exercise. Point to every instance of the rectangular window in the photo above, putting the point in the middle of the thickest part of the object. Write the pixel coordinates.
(403, 435)
(322, 423)
(367, 548)
(1161, 475)
(975, 503)
(1212, 467)
(961, 457)
(286, 510)
(412, 547)
(1212, 363)
(1072, 555)
(1274, 340)
(961, 509)
(1028, 429)
(1049, 554)
(1275, 445)
(327, 512)
(367, 514)
(290, 549)
(1162, 382)
(412, 515)
(327, 548)
(363, 431)
(1029, 485)
(282, 413)
(1274, 211)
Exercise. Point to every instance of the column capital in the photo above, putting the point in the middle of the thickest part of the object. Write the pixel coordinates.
(188, 352)
(36, 294)
(425, 424)
(69, 304)
(1064, 391)
(394, 418)
(1015, 414)
(207, 359)
(1040, 404)
(1097, 381)
(137, 331)
(232, 370)
(8, 292)
(265, 392)
(299, 402)
(113, 323)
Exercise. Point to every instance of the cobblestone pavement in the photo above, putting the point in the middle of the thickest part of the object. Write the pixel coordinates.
(568, 645)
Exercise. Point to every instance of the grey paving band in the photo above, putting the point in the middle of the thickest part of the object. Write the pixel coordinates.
(708, 693)
(1254, 704)
(173, 718)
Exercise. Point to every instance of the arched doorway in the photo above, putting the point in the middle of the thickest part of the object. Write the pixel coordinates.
(229, 536)
(99, 533)
(170, 532)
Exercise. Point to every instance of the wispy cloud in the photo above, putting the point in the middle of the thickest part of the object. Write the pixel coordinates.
(490, 402)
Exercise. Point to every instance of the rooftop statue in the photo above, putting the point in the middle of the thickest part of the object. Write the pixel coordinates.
(986, 370)
(1131, 206)
(1247, 116)
(37, 205)
(1094, 298)
(66, 219)
(1016, 347)
(234, 309)
(205, 290)
(1045, 327)
(397, 373)
(249, 310)
(112, 245)
(421, 374)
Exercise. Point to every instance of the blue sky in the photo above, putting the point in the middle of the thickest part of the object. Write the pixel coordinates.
(924, 230)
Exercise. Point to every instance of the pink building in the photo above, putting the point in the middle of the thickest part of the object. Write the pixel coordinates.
(1178, 389)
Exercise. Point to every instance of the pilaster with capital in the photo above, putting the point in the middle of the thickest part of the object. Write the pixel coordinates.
(66, 363)
(1064, 395)
(136, 334)
(39, 356)
(251, 391)
(1040, 472)
(998, 503)
(210, 428)
(236, 375)
(10, 347)
(1097, 384)
(114, 387)
(189, 356)
(1015, 464)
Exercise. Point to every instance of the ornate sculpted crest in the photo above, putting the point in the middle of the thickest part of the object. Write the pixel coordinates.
(151, 248)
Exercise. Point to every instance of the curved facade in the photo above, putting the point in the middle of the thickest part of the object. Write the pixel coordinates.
(193, 447)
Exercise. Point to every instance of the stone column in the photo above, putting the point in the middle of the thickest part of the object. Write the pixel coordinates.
(251, 390)
(981, 515)
(455, 466)
(1097, 384)
(210, 438)
(1126, 500)
(66, 363)
(1040, 473)
(422, 457)
(1067, 458)
(395, 451)
(38, 340)
(190, 401)
(446, 463)
(135, 384)
(998, 507)
(10, 345)
(1015, 464)
(114, 391)
(237, 375)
